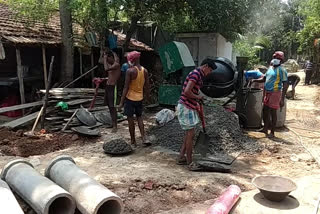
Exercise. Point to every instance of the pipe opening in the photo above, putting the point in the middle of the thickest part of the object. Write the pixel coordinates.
(61, 205)
(111, 207)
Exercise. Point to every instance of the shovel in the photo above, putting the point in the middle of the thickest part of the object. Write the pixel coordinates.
(31, 133)
(202, 143)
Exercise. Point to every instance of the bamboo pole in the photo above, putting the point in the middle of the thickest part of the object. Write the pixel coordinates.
(20, 77)
(92, 64)
(81, 68)
(44, 62)
(47, 92)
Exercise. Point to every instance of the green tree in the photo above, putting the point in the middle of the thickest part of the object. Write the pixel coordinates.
(228, 17)
(274, 27)
(310, 10)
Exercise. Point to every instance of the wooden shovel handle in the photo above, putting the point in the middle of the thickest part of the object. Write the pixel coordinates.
(201, 115)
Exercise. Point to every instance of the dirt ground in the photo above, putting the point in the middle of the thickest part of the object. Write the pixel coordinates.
(150, 182)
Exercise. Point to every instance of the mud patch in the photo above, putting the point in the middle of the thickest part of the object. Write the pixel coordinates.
(16, 144)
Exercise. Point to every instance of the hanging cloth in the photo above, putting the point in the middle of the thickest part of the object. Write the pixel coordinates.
(112, 39)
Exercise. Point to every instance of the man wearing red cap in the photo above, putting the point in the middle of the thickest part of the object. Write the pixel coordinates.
(276, 86)
(135, 87)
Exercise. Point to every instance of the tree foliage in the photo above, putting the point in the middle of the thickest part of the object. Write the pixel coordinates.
(310, 10)
(40, 10)
(228, 17)
(287, 25)
(245, 46)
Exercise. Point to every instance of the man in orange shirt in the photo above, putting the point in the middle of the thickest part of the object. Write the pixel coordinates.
(135, 87)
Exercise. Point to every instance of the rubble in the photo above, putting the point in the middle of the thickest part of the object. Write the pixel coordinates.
(223, 128)
(117, 147)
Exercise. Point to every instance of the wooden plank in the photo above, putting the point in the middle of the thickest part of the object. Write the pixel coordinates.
(44, 62)
(77, 102)
(21, 121)
(55, 123)
(23, 106)
(20, 76)
(70, 97)
(54, 118)
(100, 108)
(72, 90)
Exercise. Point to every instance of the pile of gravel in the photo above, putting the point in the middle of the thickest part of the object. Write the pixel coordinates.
(117, 147)
(222, 126)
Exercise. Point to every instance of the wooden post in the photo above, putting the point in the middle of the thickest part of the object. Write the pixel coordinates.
(47, 93)
(44, 62)
(80, 54)
(20, 76)
(92, 64)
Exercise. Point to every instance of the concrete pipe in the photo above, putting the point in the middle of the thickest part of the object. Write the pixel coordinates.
(44, 196)
(9, 204)
(91, 197)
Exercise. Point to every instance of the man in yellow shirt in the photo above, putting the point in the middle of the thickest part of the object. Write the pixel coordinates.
(135, 87)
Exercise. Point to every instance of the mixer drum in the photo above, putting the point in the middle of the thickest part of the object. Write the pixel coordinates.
(220, 82)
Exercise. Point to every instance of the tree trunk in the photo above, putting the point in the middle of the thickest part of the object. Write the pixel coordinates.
(103, 22)
(130, 32)
(67, 51)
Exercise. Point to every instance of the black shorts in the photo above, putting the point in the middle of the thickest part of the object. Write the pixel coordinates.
(294, 81)
(133, 108)
(109, 96)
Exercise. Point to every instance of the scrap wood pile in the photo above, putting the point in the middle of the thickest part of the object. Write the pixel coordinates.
(75, 104)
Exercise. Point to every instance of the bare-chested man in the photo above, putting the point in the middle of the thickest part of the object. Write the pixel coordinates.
(112, 67)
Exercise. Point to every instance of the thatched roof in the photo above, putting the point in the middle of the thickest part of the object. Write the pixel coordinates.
(16, 30)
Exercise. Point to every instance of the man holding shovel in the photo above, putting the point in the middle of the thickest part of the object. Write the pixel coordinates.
(188, 108)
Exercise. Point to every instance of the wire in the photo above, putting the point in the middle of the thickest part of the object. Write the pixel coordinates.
(300, 141)
(317, 207)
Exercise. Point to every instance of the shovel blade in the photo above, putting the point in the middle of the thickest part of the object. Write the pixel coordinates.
(202, 144)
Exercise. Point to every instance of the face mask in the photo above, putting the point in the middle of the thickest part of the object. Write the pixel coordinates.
(275, 62)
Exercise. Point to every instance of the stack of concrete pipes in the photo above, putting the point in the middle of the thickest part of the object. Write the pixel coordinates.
(64, 188)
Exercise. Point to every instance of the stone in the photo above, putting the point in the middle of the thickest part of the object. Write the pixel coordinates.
(294, 158)
(117, 147)
(148, 185)
(5, 141)
(75, 137)
(19, 133)
(266, 152)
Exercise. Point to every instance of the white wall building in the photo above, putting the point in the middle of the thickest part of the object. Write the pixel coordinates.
(203, 45)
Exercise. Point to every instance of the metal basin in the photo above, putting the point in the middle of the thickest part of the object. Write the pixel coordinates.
(86, 117)
(274, 188)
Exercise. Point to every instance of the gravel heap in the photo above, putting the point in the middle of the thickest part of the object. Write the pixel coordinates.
(222, 126)
(117, 147)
